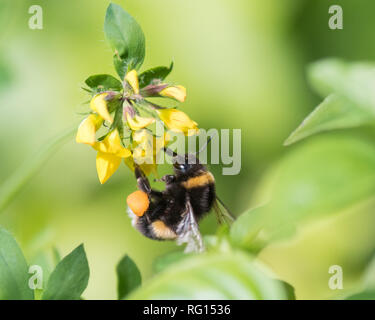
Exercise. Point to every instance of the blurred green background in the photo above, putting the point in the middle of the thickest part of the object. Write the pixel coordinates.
(243, 63)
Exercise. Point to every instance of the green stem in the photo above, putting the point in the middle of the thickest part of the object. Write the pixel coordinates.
(15, 183)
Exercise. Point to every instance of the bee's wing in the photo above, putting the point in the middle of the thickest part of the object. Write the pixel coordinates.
(223, 214)
(188, 231)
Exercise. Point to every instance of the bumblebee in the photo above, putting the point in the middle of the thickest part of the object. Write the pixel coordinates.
(173, 214)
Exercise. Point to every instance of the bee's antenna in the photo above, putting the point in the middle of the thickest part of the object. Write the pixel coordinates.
(205, 145)
(170, 152)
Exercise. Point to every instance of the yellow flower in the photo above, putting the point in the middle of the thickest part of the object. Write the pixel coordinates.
(146, 168)
(146, 148)
(178, 121)
(138, 122)
(132, 78)
(110, 153)
(175, 92)
(106, 165)
(87, 129)
(99, 105)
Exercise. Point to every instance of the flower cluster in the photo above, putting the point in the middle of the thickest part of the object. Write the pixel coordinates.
(119, 126)
(122, 121)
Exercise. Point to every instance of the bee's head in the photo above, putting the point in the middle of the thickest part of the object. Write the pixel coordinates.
(187, 164)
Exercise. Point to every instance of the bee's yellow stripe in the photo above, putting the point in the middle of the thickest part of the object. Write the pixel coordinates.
(200, 181)
(162, 231)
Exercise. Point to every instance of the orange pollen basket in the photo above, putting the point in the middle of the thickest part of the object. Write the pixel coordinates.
(138, 202)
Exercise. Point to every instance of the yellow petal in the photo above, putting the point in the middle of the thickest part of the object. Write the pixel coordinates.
(138, 122)
(141, 137)
(146, 168)
(146, 150)
(132, 78)
(106, 165)
(144, 144)
(130, 163)
(149, 168)
(178, 121)
(99, 105)
(124, 153)
(87, 129)
(112, 145)
(175, 92)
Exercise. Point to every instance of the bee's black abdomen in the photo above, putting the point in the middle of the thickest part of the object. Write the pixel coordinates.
(201, 191)
(202, 199)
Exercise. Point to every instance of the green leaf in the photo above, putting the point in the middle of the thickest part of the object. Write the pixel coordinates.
(230, 275)
(126, 39)
(353, 81)
(70, 277)
(367, 286)
(56, 255)
(157, 73)
(351, 100)
(14, 277)
(322, 177)
(164, 261)
(103, 82)
(45, 261)
(335, 112)
(128, 277)
(246, 228)
(289, 290)
(121, 66)
(368, 294)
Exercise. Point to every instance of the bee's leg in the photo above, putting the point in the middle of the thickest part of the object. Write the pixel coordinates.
(142, 181)
(168, 178)
(144, 184)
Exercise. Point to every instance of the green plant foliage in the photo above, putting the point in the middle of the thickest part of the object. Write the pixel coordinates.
(70, 277)
(233, 275)
(157, 73)
(46, 263)
(335, 112)
(14, 277)
(367, 291)
(368, 294)
(246, 228)
(350, 102)
(128, 277)
(164, 261)
(320, 178)
(353, 81)
(290, 292)
(103, 82)
(126, 39)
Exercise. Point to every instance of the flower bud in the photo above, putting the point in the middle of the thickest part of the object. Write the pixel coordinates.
(99, 104)
(178, 121)
(87, 129)
(137, 122)
(132, 78)
(176, 92)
